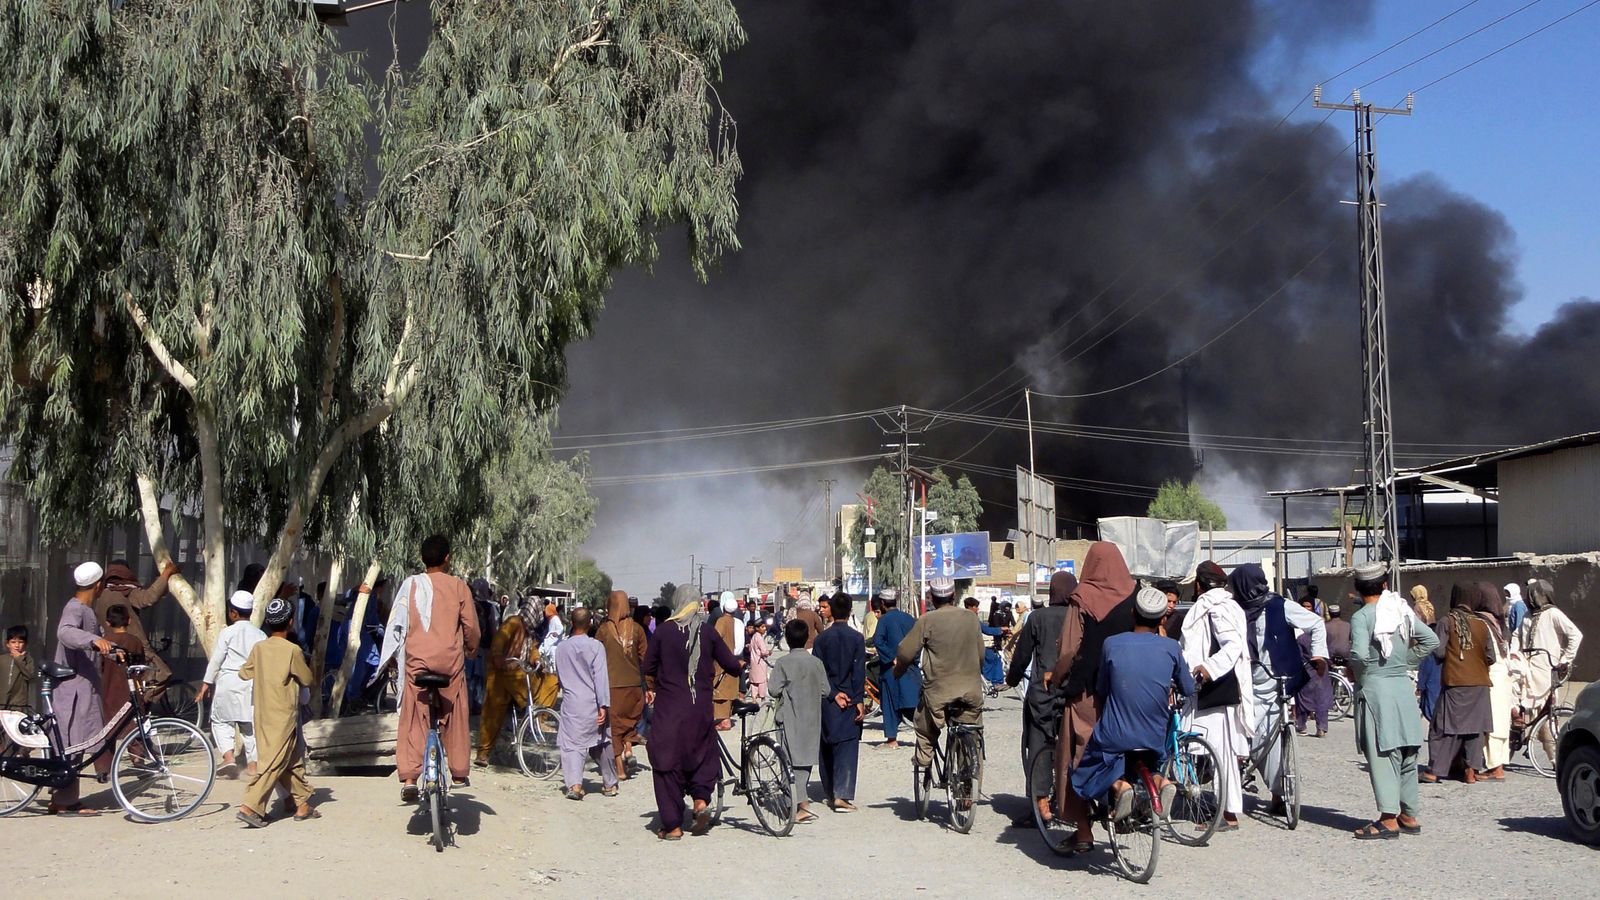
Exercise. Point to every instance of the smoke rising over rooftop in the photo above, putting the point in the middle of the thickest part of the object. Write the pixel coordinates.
(938, 190)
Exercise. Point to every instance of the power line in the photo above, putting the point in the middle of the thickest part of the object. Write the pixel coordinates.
(654, 478)
(1426, 56)
(1505, 47)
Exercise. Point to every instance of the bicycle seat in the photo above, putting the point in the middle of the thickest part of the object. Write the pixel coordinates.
(741, 708)
(56, 671)
(431, 680)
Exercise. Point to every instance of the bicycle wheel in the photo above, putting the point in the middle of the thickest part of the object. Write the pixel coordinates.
(921, 789)
(965, 782)
(1344, 703)
(1040, 778)
(1197, 808)
(1290, 779)
(436, 812)
(16, 795)
(537, 754)
(177, 702)
(1543, 762)
(1134, 842)
(163, 770)
(769, 786)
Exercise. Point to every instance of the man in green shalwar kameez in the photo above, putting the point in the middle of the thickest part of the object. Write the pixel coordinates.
(1387, 642)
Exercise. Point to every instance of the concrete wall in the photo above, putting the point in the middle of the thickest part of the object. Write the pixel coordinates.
(1548, 502)
(1576, 579)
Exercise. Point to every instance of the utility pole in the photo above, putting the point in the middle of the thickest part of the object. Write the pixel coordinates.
(830, 546)
(1379, 425)
(691, 567)
(1027, 396)
(755, 575)
(702, 580)
(729, 570)
(781, 545)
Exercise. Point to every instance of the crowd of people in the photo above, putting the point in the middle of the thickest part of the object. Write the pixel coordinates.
(1100, 668)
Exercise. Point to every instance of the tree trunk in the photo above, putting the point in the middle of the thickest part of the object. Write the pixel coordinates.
(207, 624)
(215, 553)
(352, 645)
(319, 643)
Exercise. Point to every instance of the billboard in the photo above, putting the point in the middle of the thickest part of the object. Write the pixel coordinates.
(787, 576)
(955, 555)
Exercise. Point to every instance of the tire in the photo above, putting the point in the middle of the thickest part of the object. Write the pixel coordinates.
(964, 781)
(1135, 842)
(177, 702)
(1291, 780)
(921, 789)
(17, 795)
(1197, 809)
(770, 787)
(1040, 778)
(1344, 703)
(719, 804)
(535, 743)
(1580, 792)
(436, 812)
(1542, 763)
(163, 771)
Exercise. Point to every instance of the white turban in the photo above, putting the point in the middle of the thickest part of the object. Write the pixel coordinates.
(243, 601)
(88, 574)
(730, 603)
(1514, 592)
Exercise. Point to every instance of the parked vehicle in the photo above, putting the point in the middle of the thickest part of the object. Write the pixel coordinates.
(1578, 766)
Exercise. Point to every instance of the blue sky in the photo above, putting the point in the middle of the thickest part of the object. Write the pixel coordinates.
(1519, 132)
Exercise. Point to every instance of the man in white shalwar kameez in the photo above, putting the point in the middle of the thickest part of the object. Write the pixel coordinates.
(1213, 640)
(233, 709)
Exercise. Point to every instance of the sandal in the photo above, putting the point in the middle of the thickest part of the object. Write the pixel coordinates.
(1123, 805)
(805, 817)
(1428, 778)
(1410, 829)
(1075, 846)
(250, 817)
(1372, 831)
(608, 791)
(76, 809)
(310, 814)
(573, 794)
(662, 835)
(409, 793)
(702, 822)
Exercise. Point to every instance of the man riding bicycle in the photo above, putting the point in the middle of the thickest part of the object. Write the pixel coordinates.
(1274, 653)
(951, 649)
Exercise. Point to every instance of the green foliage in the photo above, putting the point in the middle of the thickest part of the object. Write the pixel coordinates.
(200, 288)
(889, 518)
(594, 586)
(957, 503)
(1179, 502)
(667, 590)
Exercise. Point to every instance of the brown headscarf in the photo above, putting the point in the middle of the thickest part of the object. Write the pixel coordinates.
(617, 608)
(1105, 582)
(1062, 584)
(1490, 606)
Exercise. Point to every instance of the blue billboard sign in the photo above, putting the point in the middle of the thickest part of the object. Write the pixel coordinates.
(956, 555)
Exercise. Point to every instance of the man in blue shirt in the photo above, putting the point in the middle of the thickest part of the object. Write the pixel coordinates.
(1138, 670)
(899, 694)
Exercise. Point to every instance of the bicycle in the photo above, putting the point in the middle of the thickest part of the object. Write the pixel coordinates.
(161, 771)
(959, 768)
(762, 774)
(1134, 844)
(1344, 692)
(1525, 738)
(534, 731)
(1193, 766)
(433, 788)
(1288, 789)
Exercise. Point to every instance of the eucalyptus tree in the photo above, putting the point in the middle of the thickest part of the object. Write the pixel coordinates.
(203, 298)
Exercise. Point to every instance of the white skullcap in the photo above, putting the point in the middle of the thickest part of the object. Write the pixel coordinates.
(942, 586)
(243, 601)
(1371, 571)
(1151, 603)
(88, 574)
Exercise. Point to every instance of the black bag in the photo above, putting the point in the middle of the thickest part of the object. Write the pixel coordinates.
(1222, 691)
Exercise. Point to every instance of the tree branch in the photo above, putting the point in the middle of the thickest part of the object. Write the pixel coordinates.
(335, 341)
(158, 348)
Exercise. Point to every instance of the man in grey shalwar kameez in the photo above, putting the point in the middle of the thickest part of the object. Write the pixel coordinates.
(585, 701)
(76, 700)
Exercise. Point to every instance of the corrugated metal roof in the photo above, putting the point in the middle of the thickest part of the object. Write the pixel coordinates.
(1477, 470)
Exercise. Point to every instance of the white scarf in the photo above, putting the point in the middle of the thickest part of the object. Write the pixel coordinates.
(419, 590)
(1394, 618)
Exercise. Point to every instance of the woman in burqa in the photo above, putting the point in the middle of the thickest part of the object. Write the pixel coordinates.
(678, 669)
(1035, 654)
(1099, 607)
(1463, 714)
(1490, 607)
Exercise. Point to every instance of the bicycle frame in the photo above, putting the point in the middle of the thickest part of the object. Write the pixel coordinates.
(58, 768)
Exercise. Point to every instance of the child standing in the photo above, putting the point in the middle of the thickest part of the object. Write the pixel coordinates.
(17, 670)
(279, 673)
(113, 671)
(759, 669)
(799, 681)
